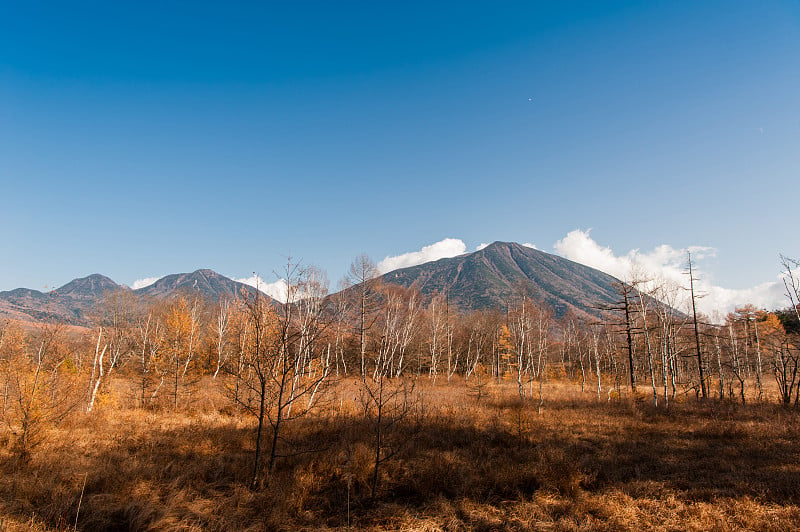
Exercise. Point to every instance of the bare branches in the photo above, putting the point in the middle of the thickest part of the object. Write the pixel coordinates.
(285, 363)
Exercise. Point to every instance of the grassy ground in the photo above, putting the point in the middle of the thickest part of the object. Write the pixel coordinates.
(466, 465)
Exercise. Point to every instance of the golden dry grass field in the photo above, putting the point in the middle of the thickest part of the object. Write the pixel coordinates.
(465, 463)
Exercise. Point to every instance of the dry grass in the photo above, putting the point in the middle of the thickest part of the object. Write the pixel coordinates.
(488, 465)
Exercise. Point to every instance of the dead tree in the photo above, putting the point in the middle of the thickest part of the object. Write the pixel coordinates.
(363, 276)
(700, 369)
(287, 362)
(626, 307)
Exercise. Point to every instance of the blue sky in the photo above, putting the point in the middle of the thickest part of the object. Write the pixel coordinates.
(140, 139)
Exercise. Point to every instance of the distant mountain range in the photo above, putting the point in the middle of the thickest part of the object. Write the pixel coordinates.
(489, 278)
(74, 302)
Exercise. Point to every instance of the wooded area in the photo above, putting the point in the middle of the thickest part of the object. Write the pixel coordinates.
(374, 408)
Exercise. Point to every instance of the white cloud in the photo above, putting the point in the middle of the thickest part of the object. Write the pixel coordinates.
(141, 283)
(529, 245)
(449, 247)
(276, 290)
(481, 246)
(668, 263)
(769, 295)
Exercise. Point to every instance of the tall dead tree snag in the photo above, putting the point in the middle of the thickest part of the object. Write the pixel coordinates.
(700, 368)
(363, 276)
(626, 307)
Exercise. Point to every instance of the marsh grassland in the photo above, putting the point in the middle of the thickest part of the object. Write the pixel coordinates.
(465, 460)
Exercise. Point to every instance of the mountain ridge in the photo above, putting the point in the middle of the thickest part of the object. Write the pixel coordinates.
(491, 277)
(74, 302)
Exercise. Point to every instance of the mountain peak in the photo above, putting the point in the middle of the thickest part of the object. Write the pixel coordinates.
(207, 272)
(500, 245)
(492, 277)
(91, 286)
(204, 282)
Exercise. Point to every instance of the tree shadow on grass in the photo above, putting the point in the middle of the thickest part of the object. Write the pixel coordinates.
(198, 475)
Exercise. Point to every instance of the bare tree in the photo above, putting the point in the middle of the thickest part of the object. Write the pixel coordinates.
(98, 370)
(287, 361)
(340, 308)
(481, 328)
(791, 281)
(114, 333)
(363, 275)
(387, 397)
(787, 357)
(595, 332)
(221, 324)
(644, 302)
(700, 368)
(397, 326)
(759, 366)
(450, 318)
(670, 324)
(149, 344)
(182, 329)
(627, 309)
(521, 324)
(786, 364)
(737, 367)
(241, 333)
(437, 332)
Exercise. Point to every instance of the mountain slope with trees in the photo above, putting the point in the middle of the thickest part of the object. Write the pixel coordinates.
(494, 275)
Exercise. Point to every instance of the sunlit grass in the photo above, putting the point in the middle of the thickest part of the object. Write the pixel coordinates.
(492, 463)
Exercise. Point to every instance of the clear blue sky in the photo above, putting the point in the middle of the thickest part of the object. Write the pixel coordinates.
(146, 138)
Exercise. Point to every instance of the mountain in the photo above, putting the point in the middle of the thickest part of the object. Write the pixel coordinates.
(69, 304)
(207, 283)
(88, 288)
(489, 278)
(493, 276)
(76, 301)
(24, 304)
